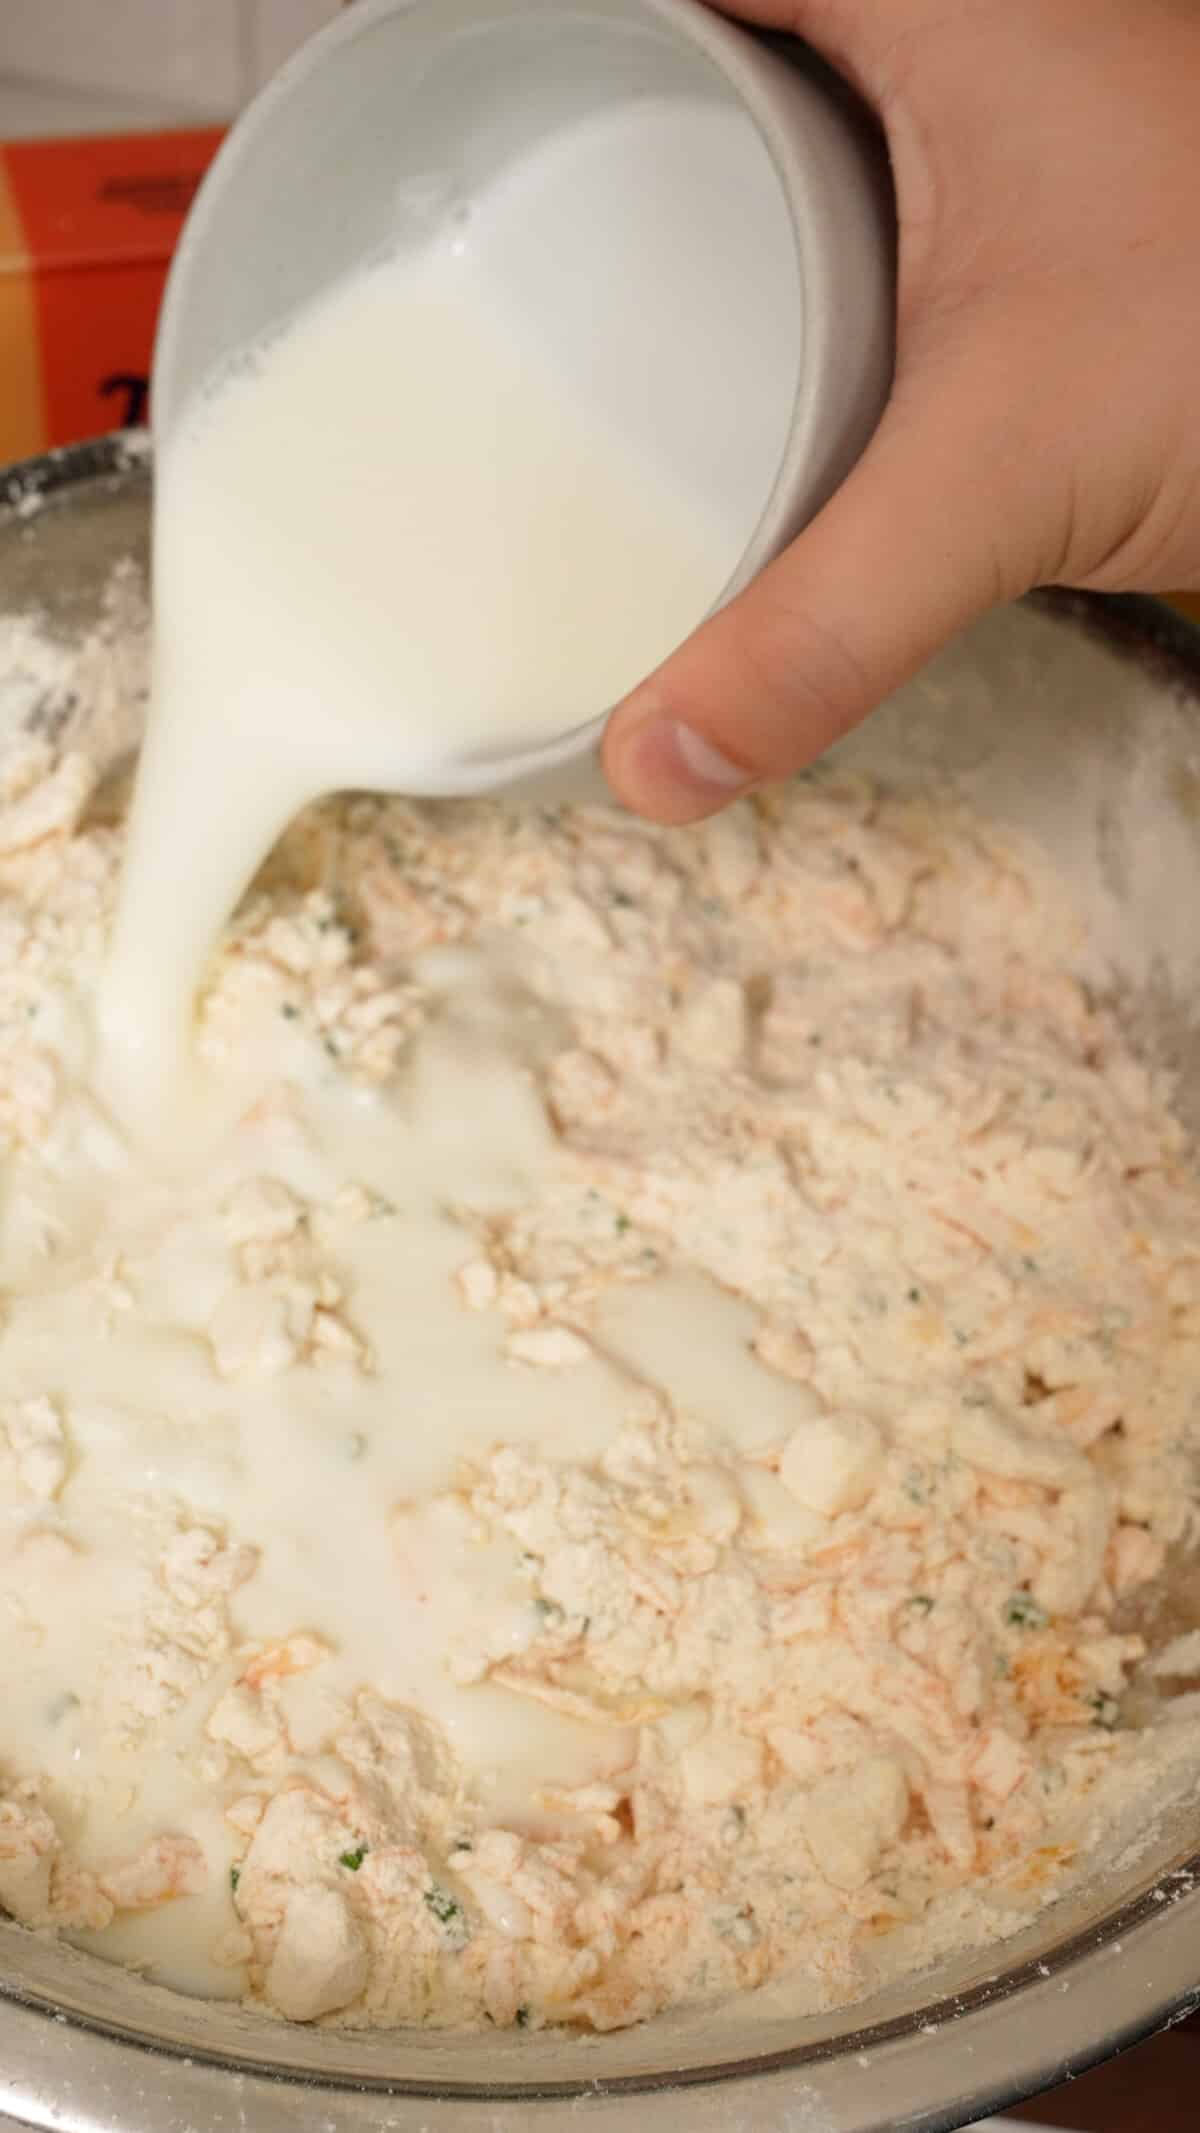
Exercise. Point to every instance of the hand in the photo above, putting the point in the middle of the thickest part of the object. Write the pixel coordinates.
(1044, 426)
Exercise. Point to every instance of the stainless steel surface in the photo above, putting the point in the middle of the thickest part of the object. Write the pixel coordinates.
(1071, 719)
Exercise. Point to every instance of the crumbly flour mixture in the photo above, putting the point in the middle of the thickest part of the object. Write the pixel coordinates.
(612, 1456)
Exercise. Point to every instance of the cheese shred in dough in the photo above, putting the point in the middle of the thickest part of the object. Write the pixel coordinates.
(611, 1461)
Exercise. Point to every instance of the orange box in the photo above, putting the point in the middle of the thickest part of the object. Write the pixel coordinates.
(87, 229)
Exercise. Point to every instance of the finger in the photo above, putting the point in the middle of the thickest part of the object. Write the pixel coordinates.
(947, 513)
(817, 20)
(850, 33)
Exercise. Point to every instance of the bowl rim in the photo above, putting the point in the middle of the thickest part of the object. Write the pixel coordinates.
(1033, 2025)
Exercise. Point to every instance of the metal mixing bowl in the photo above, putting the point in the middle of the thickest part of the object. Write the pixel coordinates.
(1077, 720)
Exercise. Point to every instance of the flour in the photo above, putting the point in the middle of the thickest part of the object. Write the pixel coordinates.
(645, 1339)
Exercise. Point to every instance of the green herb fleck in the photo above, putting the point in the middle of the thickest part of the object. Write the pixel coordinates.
(1106, 1711)
(235, 1875)
(622, 900)
(446, 1909)
(914, 1296)
(1030, 1264)
(524, 2018)
(290, 1011)
(921, 1603)
(1022, 1611)
(623, 1224)
(353, 1860)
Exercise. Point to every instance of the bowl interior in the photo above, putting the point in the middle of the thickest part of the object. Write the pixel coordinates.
(1075, 722)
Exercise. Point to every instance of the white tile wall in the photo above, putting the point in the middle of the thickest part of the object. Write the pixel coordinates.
(160, 50)
(67, 65)
(279, 26)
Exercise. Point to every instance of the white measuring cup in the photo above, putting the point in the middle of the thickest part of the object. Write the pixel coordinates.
(741, 333)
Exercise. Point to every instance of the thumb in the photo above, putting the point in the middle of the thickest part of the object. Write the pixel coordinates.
(923, 536)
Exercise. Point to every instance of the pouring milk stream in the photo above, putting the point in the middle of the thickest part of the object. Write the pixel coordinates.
(418, 527)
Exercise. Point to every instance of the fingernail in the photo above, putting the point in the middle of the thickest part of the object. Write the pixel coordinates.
(678, 774)
(704, 764)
